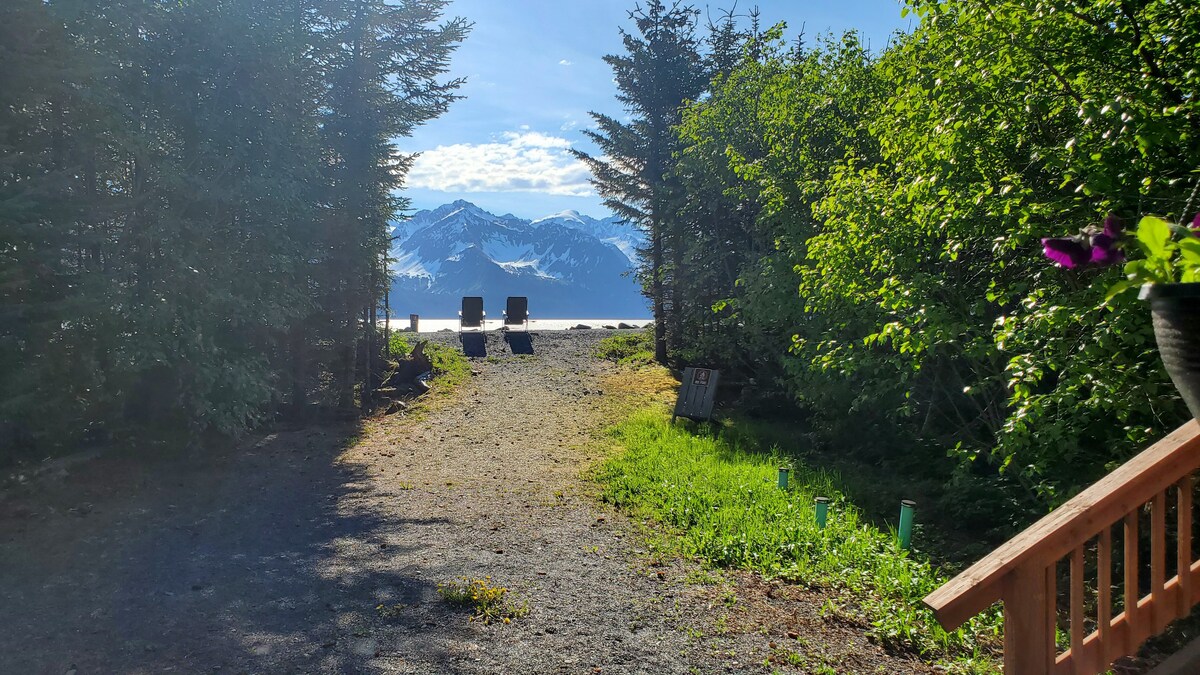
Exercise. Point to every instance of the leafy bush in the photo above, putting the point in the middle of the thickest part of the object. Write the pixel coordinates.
(449, 365)
(634, 349)
(866, 226)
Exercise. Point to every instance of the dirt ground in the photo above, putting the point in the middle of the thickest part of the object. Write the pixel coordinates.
(275, 556)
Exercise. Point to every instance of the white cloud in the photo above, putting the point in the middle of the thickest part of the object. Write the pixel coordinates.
(526, 161)
(565, 62)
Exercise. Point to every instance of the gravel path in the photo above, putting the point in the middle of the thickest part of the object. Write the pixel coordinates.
(276, 558)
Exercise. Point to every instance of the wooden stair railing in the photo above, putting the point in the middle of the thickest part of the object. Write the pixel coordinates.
(1023, 573)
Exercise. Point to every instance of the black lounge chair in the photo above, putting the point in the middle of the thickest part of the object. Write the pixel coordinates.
(471, 315)
(517, 312)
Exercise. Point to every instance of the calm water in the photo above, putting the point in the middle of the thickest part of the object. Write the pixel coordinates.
(435, 325)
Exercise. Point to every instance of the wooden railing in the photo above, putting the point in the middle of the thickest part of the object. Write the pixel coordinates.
(1024, 572)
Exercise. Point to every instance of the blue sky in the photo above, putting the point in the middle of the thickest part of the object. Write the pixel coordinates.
(534, 69)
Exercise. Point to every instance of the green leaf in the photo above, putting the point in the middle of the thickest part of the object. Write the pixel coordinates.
(1154, 234)
(1119, 288)
(1189, 250)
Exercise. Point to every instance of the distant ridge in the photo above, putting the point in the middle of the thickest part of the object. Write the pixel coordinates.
(569, 265)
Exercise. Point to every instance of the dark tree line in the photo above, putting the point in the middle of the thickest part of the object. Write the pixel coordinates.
(856, 231)
(194, 199)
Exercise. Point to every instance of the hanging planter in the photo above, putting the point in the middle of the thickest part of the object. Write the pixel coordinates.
(1168, 273)
(1175, 309)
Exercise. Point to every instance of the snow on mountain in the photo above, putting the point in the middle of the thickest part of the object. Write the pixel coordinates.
(559, 262)
(611, 230)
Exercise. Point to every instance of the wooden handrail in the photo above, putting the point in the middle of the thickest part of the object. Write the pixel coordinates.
(1022, 572)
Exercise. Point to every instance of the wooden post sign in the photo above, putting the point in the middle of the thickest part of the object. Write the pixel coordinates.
(696, 394)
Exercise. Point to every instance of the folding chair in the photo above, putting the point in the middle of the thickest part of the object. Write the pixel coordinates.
(517, 312)
(471, 315)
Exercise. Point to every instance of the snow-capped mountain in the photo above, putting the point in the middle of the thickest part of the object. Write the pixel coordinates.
(610, 230)
(564, 269)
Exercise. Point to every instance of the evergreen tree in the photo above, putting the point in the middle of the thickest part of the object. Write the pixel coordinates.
(193, 203)
(382, 61)
(38, 284)
(659, 72)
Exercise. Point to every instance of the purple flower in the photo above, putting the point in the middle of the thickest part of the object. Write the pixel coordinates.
(1068, 252)
(1106, 246)
(1091, 246)
(1196, 225)
(1106, 255)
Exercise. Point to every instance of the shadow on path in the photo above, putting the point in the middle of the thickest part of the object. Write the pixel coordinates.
(474, 344)
(267, 559)
(519, 342)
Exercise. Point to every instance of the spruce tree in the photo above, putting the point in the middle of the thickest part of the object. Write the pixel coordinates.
(383, 61)
(193, 203)
(660, 71)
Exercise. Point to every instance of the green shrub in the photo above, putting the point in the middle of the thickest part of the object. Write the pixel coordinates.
(450, 367)
(634, 349)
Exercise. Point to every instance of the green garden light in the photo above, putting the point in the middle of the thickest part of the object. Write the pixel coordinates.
(822, 508)
(907, 507)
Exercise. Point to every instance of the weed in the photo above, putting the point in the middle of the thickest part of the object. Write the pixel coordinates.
(721, 625)
(390, 611)
(793, 659)
(702, 577)
(490, 603)
(728, 598)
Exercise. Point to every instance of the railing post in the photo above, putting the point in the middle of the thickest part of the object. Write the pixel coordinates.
(1029, 611)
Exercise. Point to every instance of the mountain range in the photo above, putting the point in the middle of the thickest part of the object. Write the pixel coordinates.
(569, 265)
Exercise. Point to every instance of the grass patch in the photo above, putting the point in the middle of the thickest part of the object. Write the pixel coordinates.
(721, 497)
(450, 367)
(636, 349)
(490, 603)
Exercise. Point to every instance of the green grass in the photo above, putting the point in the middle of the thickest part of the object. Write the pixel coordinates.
(720, 495)
(635, 349)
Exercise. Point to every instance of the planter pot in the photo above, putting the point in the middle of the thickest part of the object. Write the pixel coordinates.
(1176, 312)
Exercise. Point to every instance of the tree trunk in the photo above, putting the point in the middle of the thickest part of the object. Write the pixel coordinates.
(345, 358)
(387, 318)
(675, 318)
(368, 387)
(656, 292)
(298, 371)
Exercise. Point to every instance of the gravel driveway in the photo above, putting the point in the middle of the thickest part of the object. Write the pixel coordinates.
(275, 556)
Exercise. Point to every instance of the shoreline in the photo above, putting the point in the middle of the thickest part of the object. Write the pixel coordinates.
(438, 325)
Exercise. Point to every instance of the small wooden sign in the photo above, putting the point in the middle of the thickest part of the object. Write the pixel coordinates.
(696, 394)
